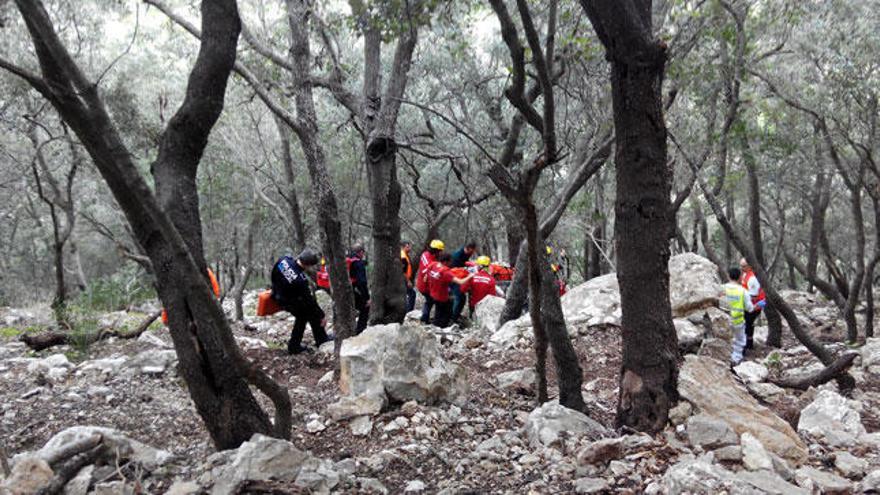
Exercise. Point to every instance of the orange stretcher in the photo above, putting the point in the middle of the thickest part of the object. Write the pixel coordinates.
(267, 306)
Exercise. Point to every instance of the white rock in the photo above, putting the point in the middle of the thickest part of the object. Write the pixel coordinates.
(150, 362)
(260, 459)
(850, 465)
(107, 366)
(548, 423)
(488, 312)
(590, 485)
(152, 339)
(689, 335)
(315, 426)
(352, 407)
(755, 456)
(751, 372)
(522, 379)
(414, 486)
(326, 378)
(822, 482)
(509, 333)
(251, 343)
(361, 426)
(709, 432)
(831, 419)
(399, 363)
(29, 474)
(871, 482)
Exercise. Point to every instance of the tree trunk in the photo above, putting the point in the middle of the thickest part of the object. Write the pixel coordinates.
(514, 233)
(297, 231)
(238, 292)
(534, 276)
(774, 321)
(216, 374)
(387, 284)
(649, 371)
(649, 374)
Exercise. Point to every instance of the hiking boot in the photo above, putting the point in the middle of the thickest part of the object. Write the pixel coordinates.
(299, 349)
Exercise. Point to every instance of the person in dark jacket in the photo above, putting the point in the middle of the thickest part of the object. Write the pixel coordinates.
(459, 260)
(291, 290)
(357, 272)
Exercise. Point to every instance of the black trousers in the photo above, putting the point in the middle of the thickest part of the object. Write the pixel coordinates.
(303, 315)
(410, 299)
(443, 315)
(750, 327)
(363, 310)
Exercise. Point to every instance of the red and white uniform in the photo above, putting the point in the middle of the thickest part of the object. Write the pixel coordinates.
(425, 262)
(439, 278)
(482, 285)
(751, 284)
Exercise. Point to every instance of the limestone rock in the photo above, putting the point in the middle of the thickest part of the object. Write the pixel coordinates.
(361, 426)
(849, 465)
(260, 459)
(831, 419)
(521, 380)
(751, 372)
(755, 456)
(702, 475)
(707, 384)
(29, 474)
(151, 362)
(399, 363)
(352, 407)
(487, 313)
(822, 482)
(590, 485)
(594, 303)
(548, 423)
(709, 432)
(690, 336)
(509, 333)
(693, 283)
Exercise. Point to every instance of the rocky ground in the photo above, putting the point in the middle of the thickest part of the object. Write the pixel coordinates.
(419, 410)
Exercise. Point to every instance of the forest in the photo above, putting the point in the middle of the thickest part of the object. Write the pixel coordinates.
(437, 246)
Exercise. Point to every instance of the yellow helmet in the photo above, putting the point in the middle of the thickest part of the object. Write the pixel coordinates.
(438, 244)
(483, 261)
(549, 250)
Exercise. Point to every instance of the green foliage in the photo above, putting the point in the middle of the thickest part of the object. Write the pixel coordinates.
(774, 360)
(115, 292)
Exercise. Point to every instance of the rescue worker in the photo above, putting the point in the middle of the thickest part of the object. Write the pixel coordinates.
(481, 285)
(291, 290)
(408, 274)
(440, 277)
(739, 303)
(460, 259)
(429, 256)
(357, 273)
(751, 284)
(322, 278)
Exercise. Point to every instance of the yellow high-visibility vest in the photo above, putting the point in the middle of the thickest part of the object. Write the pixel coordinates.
(736, 301)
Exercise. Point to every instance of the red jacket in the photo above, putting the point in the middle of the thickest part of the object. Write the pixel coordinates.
(323, 278)
(479, 287)
(439, 278)
(425, 262)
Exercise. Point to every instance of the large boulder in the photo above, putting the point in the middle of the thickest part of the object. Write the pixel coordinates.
(262, 459)
(708, 384)
(593, 303)
(709, 432)
(831, 419)
(399, 363)
(551, 422)
(693, 283)
(690, 336)
(488, 312)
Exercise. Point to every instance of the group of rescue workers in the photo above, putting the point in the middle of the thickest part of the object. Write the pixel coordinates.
(446, 281)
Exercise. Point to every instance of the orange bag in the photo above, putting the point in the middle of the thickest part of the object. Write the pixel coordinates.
(266, 305)
(501, 273)
(459, 272)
